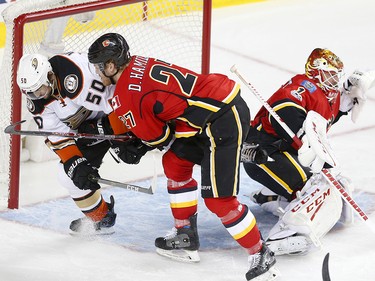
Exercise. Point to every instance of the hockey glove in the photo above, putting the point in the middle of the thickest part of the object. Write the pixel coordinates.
(130, 151)
(99, 126)
(79, 170)
(353, 96)
(96, 127)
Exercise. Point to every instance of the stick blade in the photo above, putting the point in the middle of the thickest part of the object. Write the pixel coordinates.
(325, 269)
(11, 129)
(233, 68)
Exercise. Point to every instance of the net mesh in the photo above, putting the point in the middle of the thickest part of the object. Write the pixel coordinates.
(170, 30)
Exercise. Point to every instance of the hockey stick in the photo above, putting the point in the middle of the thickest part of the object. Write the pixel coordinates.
(127, 186)
(11, 129)
(325, 270)
(333, 182)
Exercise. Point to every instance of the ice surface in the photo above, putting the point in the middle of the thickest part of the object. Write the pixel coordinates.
(268, 41)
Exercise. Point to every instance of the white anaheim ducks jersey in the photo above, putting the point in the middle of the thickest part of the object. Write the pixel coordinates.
(81, 95)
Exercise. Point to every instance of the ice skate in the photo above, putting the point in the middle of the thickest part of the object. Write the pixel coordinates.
(86, 227)
(262, 266)
(252, 153)
(181, 244)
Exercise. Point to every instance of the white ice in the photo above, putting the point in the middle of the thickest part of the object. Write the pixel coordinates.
(269, 42)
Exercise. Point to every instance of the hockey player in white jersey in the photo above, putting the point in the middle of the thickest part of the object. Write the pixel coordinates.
(64, 94)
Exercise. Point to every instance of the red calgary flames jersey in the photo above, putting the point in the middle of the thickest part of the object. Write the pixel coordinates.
(292, 102)
(150, 93)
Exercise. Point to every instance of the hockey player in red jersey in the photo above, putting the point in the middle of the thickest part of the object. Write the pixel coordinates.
(294, 172)
(64, 94)
(203, 120)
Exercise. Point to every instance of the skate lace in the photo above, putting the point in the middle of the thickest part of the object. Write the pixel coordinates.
(254, 260)
(248, 153)
(171, 234)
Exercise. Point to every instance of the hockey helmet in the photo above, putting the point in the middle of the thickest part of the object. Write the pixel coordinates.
(109, 47)
(325, 67)
(32, 73)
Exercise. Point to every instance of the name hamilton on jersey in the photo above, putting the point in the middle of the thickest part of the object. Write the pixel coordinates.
(137, 72)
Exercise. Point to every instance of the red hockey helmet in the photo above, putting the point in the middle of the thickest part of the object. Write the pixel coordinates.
(327, 68)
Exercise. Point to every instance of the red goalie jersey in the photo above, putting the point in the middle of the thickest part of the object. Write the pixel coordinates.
(292, 102)
(150, 93)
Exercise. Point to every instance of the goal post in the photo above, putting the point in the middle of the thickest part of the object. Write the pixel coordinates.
(177, 31)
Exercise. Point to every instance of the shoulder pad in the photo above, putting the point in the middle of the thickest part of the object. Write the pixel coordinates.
(69, 75)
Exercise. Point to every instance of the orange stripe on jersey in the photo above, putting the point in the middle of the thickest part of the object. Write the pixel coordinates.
(117, 125)
(65, 149)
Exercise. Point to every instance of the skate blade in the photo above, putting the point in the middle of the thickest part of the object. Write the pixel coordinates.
(180, 255)
(101, 232)
(87, 229)
(272, 274)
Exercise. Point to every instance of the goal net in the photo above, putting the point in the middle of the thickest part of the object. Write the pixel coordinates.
(177, 31)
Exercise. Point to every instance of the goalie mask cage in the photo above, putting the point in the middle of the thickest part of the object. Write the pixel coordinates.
(177, 31)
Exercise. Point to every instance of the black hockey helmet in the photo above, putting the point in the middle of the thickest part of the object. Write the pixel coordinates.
(109, 47)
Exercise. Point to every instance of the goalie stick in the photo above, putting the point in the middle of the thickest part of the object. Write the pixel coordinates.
(127, 186)
(333, 182)
(11, 129)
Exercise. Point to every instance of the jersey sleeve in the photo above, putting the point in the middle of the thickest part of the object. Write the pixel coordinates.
(80, 83)
(156, 132)
(65, 148)
(289, 102)
(117, 126)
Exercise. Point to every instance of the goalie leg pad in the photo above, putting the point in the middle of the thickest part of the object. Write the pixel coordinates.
(347, 215)
(292, 245)
(316, 211)
(306, 219)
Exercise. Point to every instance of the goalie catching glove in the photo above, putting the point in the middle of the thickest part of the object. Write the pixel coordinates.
(353, 96)
(315, 151)
(130, 151)
(80, 171)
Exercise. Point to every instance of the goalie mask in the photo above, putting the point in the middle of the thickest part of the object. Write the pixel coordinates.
(32, 75)
(110, 47)
(327, 68)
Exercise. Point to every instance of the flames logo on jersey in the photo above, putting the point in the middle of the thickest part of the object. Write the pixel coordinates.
(71, 83)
